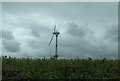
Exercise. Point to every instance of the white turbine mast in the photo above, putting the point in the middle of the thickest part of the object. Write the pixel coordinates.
(55, 33)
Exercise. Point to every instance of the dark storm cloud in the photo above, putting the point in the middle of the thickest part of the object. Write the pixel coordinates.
(9, 42)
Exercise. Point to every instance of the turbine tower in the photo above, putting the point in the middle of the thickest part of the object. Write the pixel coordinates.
(55, 33)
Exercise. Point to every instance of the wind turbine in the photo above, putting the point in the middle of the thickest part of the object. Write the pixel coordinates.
(55, 33)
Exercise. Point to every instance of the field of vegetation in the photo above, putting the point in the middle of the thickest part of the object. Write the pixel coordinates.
(29, 69)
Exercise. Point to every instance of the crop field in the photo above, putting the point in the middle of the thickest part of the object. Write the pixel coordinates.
(29, 69)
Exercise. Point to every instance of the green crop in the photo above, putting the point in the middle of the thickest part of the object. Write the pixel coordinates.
(14, 68)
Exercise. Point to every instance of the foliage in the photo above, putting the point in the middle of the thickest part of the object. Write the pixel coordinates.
(15, 68)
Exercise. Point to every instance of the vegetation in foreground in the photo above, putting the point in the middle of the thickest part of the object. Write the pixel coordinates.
(25, 68)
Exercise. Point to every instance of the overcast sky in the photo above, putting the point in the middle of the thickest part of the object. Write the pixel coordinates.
(86, 29)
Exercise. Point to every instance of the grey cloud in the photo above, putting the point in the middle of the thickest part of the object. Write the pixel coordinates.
(31, 26)
(83, 48)
(9, 42)
(11, 45)
(118, 32)
(39, 30)
(83, 11)
(76, 30)
(0, 33)
(36, 34)
(112, 33)
(96, 48)
(7, 34)
(34, 43)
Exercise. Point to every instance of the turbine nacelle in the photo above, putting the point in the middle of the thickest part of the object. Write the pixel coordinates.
(56, 33)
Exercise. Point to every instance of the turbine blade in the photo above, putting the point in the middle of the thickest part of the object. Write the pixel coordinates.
(54, 27)
(51, 40)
